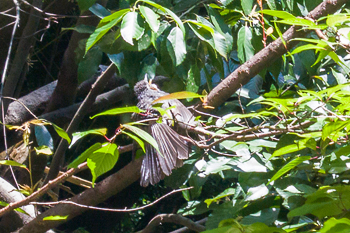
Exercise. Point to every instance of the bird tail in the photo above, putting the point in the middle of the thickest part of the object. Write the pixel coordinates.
(173, 149)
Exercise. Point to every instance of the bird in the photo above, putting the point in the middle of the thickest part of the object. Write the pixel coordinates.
(173, 148)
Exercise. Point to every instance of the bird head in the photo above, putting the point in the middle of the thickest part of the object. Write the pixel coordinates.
(145, 84)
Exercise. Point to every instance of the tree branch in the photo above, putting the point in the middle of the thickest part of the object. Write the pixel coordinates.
(265, 57)
(102, 191)
(83, 109)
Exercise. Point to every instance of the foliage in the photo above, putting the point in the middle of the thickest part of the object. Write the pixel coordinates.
(277, 154)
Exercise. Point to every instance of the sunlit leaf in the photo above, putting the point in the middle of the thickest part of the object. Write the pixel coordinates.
(132, 27)
(99, 33)
(137, 139)
(151, 17)
(279, 14)
(43, 150)
(227, 192)
(12, 163)
(144, 135)
(79, 135)
(102, 160)
(178, 95)
(176, 46)
(61, 133)
(83, 157)
(169, 12)
(2, 203)
(116, 111)
(55, 218)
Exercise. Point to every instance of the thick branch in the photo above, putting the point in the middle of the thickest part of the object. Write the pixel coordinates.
(102, 191)
(266, 56)
(64, 115)
(22, 52)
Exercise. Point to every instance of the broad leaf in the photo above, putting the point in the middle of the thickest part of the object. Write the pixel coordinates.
(178, 95)
(116, 111)
(244, 44)
(289, 166)
(176, 46)
(137, 139)
(169, 12)
(132, 27)
(12, 163)
(102, 160)
(61, 132)
(86, 154)
(79, 135)
(150, 17)
(144, 135)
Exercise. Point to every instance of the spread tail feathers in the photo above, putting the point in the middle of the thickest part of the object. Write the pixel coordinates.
(172, 147)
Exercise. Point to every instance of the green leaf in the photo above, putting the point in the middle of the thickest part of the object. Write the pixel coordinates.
(176, 46)
(61, 132)
(55, 218)
(81, 28)
(307, 47)
(79, 135)
(332, 130)
(132, 27)
(298, 22)
(255, 193)
(151, 17)
(144, 135)
(137, 139)
(288, 149)
(334, 20)
(118, 15)
(336, 225)
(86, 154)
(200, 25)
(89, 65)
(221, 27)
(43, 150)
(116, 111)
(244, 43)
(279, 14)
(247, 6)
(169, 12)
(102, 160)
(98, 33)
(99, 10)
(12, 163)
(227, 192)
(178, 95)
(2, 203)
(289, 166)
(193, 79)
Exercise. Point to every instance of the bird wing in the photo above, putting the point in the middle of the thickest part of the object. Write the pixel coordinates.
(171, 145)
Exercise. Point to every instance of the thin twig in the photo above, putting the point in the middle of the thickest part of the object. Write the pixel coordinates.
(110, 209)
(43, 190)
